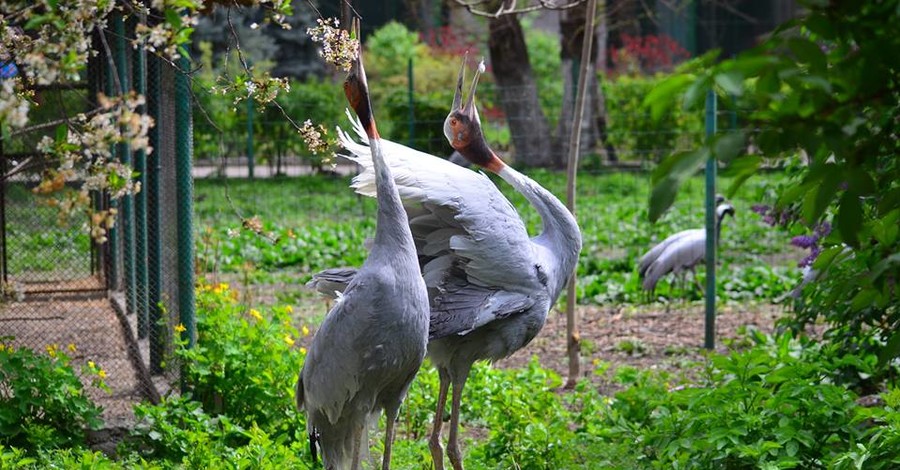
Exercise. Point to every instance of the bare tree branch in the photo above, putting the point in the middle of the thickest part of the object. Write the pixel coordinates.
(508, 7)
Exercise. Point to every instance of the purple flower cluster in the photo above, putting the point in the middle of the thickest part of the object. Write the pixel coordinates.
(811, 242)
(773, 217)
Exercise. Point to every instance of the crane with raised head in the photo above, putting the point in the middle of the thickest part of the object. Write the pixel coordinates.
(680, 252)
(373, 341)
(490, 285)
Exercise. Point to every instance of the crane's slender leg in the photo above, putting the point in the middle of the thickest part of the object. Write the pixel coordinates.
(434, 444)
(390, 416)
(696, 281)
(453, 451)
(357, 438)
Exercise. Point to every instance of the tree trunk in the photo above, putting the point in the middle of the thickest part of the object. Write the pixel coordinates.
(598, 99)
(518, 93)
(572, 25)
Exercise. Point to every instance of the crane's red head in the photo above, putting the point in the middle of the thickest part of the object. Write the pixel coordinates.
(356, 88)
(463, 126)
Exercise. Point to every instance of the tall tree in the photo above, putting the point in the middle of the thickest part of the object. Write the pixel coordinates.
(571, 25)
(516, 84)
(518, 92)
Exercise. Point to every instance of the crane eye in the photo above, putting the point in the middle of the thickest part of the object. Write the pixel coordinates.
(453, 121)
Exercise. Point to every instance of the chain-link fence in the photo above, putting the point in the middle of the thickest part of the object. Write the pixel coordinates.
(114, 304)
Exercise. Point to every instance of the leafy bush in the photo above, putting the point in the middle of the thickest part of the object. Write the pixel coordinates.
(635, 134)
(878, 450)
(820, 86)
(244, 364)
(772, 406)
(42, 400)
(390, 49)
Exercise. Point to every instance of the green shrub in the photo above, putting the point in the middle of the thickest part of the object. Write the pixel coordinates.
(179, 429)
(244, 364)
(772, 406)
(633, 131)
(878, 450)
(42, 400)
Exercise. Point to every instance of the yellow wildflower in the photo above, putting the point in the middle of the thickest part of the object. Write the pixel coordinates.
(179, 328)
(302, 350)
(220, 287)
(71, 347)
(596, 362)
(92, 365)
(51, 350)
(289, 309)
(255, 314)
(2, 347)
(101, 373)
(289, 340)
(305, 330)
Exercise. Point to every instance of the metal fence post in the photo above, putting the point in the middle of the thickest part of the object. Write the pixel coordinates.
(154, 215)
(139, 62)
(710, 330)
(185, 196)
(126, 218)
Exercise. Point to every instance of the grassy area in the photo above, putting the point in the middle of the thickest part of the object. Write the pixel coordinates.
(311, 223)
(40, 247)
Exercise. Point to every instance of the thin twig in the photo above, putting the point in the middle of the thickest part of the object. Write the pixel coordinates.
(512, 10)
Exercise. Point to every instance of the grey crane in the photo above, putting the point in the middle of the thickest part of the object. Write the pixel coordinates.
(490, 285)
(373, 341)
(680, 252)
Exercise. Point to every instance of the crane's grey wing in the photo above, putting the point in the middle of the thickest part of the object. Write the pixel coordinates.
(657, 250)
(467, 234)
(684, 252)
(330, 371)
(331, 282)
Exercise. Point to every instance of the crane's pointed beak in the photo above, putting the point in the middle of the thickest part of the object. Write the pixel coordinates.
(356, 89)
(469, 109)
(457, 98)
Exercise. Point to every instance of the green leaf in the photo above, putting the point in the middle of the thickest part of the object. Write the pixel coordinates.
(741, 169)
(850, 218)
(173, 18)
(665, 94)
(890, 350)
(62, 133)
(669, 176)
(883, 265)
(820, 193)
(864, 298)
(732, 82)
(808, 52)
(727, 146)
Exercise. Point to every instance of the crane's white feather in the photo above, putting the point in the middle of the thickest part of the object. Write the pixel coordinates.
(459, 217)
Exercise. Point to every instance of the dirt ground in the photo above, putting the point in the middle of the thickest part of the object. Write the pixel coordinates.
(643, 336)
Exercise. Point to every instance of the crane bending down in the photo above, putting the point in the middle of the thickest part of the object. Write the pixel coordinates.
(490, 285)
(372, 343)
(679, 252)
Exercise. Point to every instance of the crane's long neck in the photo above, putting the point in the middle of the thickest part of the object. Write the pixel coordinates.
(719, 218)
(560, 229)
(392, 229)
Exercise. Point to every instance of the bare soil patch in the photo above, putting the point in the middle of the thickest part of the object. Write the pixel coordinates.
(645, 336)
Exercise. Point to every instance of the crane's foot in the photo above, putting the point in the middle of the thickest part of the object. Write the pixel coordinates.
(437, 452)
